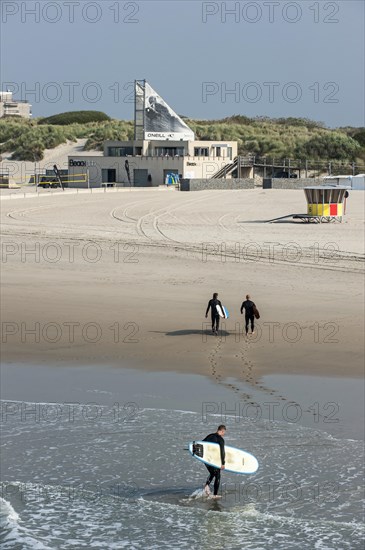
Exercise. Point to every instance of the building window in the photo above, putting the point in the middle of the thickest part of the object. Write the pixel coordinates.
(120, 151)
(201, 152)
(169, 151)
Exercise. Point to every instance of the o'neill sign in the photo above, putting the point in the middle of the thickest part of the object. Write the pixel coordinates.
(168, 136)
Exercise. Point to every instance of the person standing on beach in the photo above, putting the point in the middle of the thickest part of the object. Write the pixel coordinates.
(215, 473)
(212, 304)
(249, 308)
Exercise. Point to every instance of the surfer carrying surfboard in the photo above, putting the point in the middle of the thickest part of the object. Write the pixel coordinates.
(212, 305)
(249, 308)
(215, 473)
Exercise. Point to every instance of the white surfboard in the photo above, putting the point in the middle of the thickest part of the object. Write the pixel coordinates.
(222, 312)
(236, 460)
(226, 312)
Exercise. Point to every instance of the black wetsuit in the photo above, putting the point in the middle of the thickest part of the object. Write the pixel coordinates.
(248, 305)
(214, 313)
(215, 473)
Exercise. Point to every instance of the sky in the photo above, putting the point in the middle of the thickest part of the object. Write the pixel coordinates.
(208, 60)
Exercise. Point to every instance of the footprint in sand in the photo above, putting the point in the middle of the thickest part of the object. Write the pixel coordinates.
(215, 357)
(247, 371)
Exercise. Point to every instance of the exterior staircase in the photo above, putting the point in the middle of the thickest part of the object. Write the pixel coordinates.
(227, 169)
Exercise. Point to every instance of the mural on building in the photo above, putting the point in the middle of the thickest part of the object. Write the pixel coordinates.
(159, 121)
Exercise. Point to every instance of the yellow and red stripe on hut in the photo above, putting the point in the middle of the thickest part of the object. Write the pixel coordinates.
(332, 209)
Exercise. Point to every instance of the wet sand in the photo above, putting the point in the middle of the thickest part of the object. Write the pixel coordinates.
(333, 405)
(123, 279)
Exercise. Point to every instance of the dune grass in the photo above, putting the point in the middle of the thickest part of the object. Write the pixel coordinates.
(279, 138)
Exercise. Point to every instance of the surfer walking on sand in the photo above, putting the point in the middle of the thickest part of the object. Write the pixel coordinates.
(249, 306)
(212, 304)
(215, 473)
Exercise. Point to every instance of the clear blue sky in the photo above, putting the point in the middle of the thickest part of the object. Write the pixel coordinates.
(282, 58)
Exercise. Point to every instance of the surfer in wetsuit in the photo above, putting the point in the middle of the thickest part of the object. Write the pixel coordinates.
(212, 304)
(215, 473)
(249, 306)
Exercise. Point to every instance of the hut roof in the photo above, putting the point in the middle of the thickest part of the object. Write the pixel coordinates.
(328, 187)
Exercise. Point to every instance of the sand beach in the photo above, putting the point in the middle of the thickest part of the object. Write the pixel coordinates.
(124, 277)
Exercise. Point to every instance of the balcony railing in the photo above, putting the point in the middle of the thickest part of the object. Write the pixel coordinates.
(5, 101)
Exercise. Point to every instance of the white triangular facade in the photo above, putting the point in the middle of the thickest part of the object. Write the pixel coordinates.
(160, 122)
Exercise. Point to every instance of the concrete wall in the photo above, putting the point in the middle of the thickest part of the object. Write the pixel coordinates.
(95, 165)
(199, 167)
(246, 172)
(204, 184)
(203, 168)
(290, 183)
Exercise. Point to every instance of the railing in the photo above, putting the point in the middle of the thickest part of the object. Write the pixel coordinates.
(297, 164)
(168, 157)
(271, 167)
(14, 101)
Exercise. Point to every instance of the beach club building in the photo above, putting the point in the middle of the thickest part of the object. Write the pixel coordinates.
(163, 150)
(10, 107)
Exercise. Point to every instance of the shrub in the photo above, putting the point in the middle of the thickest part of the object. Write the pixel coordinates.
(330, 146)
(360, 137)
(75, 117)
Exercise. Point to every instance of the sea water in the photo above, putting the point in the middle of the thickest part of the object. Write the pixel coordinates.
(122, 478)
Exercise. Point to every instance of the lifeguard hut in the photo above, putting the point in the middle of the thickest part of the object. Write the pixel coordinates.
(326, 203)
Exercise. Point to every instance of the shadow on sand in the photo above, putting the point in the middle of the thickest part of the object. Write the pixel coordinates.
(272, 221)
(189, 332)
